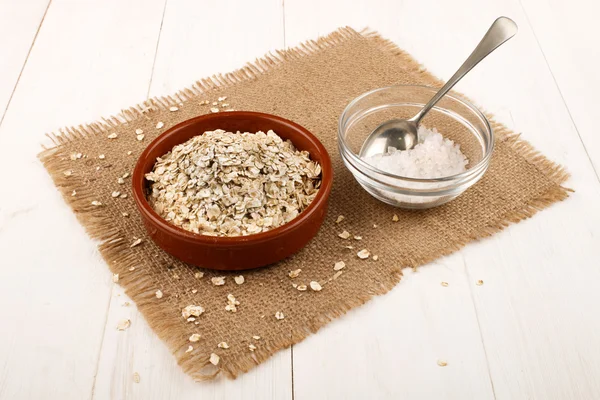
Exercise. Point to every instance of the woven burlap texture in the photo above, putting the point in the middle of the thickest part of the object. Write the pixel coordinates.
(311, 85)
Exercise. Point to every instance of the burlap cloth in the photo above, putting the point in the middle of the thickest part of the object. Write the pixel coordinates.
(310, 84)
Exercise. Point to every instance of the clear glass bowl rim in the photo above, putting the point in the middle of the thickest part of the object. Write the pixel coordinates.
(369, 168)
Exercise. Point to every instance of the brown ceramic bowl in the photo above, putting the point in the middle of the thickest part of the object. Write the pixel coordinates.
(241, 252)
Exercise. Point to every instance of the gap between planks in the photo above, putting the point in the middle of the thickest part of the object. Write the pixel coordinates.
(25, 62)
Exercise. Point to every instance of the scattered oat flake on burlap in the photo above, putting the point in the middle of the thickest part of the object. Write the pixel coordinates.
(112, 136)
(357, 237)
(239, 279)
(301, 288)
(375, 257)
(102, 156)
(159, 294)
(192, 310)
(223, 345)
(123, 324)
(139, 131)
(214, 110)
(198, 275)
(218, 280)
(195, 337)
(222, 98)
(136, 377)
(339, 265)
(115, 278)
(251, 347)
(73, 193)
(395, 218)
(364, 253)
(194, 291)
(279, 315)
(68, 173)
(294, 273)
(316, 286)
(140, 137)
(173, 108)
(256, 337)
(131, 268)
(116, 194)
(214, 359)
(136, 242)
(339, 219)
(344, 235)
(189, 349)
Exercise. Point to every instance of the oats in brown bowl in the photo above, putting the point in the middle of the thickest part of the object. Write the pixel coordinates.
(231, 184)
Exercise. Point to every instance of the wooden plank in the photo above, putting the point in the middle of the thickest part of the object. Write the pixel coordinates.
(19, 23)
(536, 320)
(195, 42)
(571, 47)
(90, 59)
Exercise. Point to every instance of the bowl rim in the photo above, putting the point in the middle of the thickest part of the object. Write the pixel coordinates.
(320, 200)
(346, 152)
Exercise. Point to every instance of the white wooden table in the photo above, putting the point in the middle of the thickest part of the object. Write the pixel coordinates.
(532, 331)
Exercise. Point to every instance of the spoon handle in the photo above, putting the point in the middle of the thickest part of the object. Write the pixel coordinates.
(501, 30)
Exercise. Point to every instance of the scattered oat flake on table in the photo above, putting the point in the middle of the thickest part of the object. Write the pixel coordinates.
(442, 363)
(96, 203)
(301, 288)
(223, 345)
(294, 273)
(173, 108)
(339, 265)
(214, 359)
(189, 349)
(112, 136)
(192, 310)
(218, 280)
(116, 194)
(159, 294)
(136, 377)
(239, 279)
(214, 110)
(279, 315)
(115, 278)
(395, 218)
(159, 124)
(339, 219)
(357, 237)
(251, 347)
(126, 304)
(316, 286)
(195, 337)
(123, 324)
(198, 275)
(444, 284)
(364, 253)
(136, 242)
(344, 235)
(479, 282)
(337, 275)
(140, 137)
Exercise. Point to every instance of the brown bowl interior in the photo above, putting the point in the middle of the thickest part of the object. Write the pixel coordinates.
(231, 252)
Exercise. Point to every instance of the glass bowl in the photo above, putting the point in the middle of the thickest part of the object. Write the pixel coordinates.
(454, 118)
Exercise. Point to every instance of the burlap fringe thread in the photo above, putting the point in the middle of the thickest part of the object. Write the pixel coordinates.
(113, 247)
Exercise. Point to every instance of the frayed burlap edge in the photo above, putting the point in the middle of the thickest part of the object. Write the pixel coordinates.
(113, 246)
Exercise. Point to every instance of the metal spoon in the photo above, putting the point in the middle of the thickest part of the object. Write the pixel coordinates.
(401, 133)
